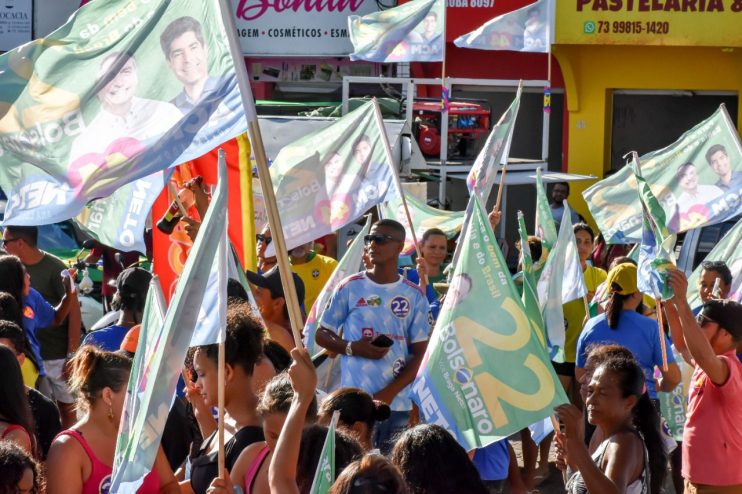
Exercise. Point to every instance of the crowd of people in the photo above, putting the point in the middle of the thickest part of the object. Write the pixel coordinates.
(62, 391)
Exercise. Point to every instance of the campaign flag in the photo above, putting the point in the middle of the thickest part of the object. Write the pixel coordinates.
(349, 264)
(110, 97)
(727, 250)
(424, 218)
(525, 29)
(545, 227)
(656, 254)
(149, 344)
(483, 171)
(327, 179)
(697, 180)
(120, 219)
(484, 374)
(561, 281)
(411, 32)
(157, 387)
(324, 477)
(530, 292)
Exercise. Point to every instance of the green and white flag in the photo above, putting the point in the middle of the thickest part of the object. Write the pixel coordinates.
(656, 252)
(331, 177)
(545, 227)
(324, 477)
(156, 386)
(697, 180)
(727, 250)
(496, 150)
(424, 217)
(485, 374)
(530, 293)
(561, 281)
(121, 91)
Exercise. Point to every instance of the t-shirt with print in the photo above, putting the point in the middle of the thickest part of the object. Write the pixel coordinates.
(314, 273)
(37, 314)
(46, 278)
(712, 436)
(363, 308)
(574, 311)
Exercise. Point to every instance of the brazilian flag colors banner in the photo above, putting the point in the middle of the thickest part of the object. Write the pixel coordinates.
(697, 180)
(123, 90)
(486, 373)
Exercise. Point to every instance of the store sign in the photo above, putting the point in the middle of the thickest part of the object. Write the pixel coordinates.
(650, 22)
(314, 69)
(16, 20)
(297, 27)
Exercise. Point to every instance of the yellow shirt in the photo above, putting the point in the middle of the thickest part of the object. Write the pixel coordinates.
(30, 373)
(574, 311)
(314, 273)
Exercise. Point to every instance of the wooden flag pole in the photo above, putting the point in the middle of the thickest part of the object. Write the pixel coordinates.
(397, 182)
(661, 326)
(176, 198)
(256, 141)
(501, 187)
(587, 306)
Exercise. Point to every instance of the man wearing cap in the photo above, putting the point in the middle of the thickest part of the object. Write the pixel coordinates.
(373, 319)
(623, 325)
(712, 436)
(131, 295)
(268, 292)
(313, 269)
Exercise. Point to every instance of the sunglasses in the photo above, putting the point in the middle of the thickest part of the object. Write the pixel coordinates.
(379, 239)
(262, 238)
(6, 241)
(703, 320)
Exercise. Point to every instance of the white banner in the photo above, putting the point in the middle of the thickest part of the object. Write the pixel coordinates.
(297, 27)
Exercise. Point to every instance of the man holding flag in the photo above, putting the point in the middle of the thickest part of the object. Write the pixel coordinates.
(382, 316)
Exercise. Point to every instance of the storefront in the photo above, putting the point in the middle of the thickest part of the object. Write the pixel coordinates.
(639, 73)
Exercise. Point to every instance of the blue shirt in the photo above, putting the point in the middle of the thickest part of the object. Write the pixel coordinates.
(364, 308)
(493, 460)
(37, 314)
(430, 293)
(636, 332)
(108, 338)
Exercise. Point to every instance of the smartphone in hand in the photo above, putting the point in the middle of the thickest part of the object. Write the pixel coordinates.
(382, 341)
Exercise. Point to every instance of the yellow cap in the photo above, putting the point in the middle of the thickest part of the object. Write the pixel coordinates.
(622, 279)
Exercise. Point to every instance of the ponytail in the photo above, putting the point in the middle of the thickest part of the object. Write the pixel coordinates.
(94, 369)
(647, 421)
(614, 307)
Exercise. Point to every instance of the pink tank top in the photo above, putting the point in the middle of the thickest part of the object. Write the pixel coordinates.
(252, 473)
(99, 481)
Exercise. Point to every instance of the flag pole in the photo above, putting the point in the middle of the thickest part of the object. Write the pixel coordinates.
(222, 253)
(661, 329)
(256, 141)
(398, 183)
(501, 187)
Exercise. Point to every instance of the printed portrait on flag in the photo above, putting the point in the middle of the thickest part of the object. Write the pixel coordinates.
(120, 92)
(697, 181)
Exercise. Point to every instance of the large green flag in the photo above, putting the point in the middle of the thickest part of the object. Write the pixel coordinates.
(697, 180)
(156, 386)
(545, 227)
(727, 250)
(485, 374)
(530, 294)
(324, 477)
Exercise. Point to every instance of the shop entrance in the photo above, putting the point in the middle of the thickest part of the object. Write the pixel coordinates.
(644, 121)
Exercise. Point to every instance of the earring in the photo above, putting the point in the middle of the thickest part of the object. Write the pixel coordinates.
(110, 413)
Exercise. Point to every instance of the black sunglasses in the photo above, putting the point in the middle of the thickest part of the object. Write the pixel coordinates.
(379, 239)
(6, 241)
(702, 319)
(262, 238)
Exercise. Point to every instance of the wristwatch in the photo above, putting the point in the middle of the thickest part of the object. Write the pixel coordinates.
(349, 349)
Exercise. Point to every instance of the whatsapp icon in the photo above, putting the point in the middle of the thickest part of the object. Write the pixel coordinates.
(589, 27)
